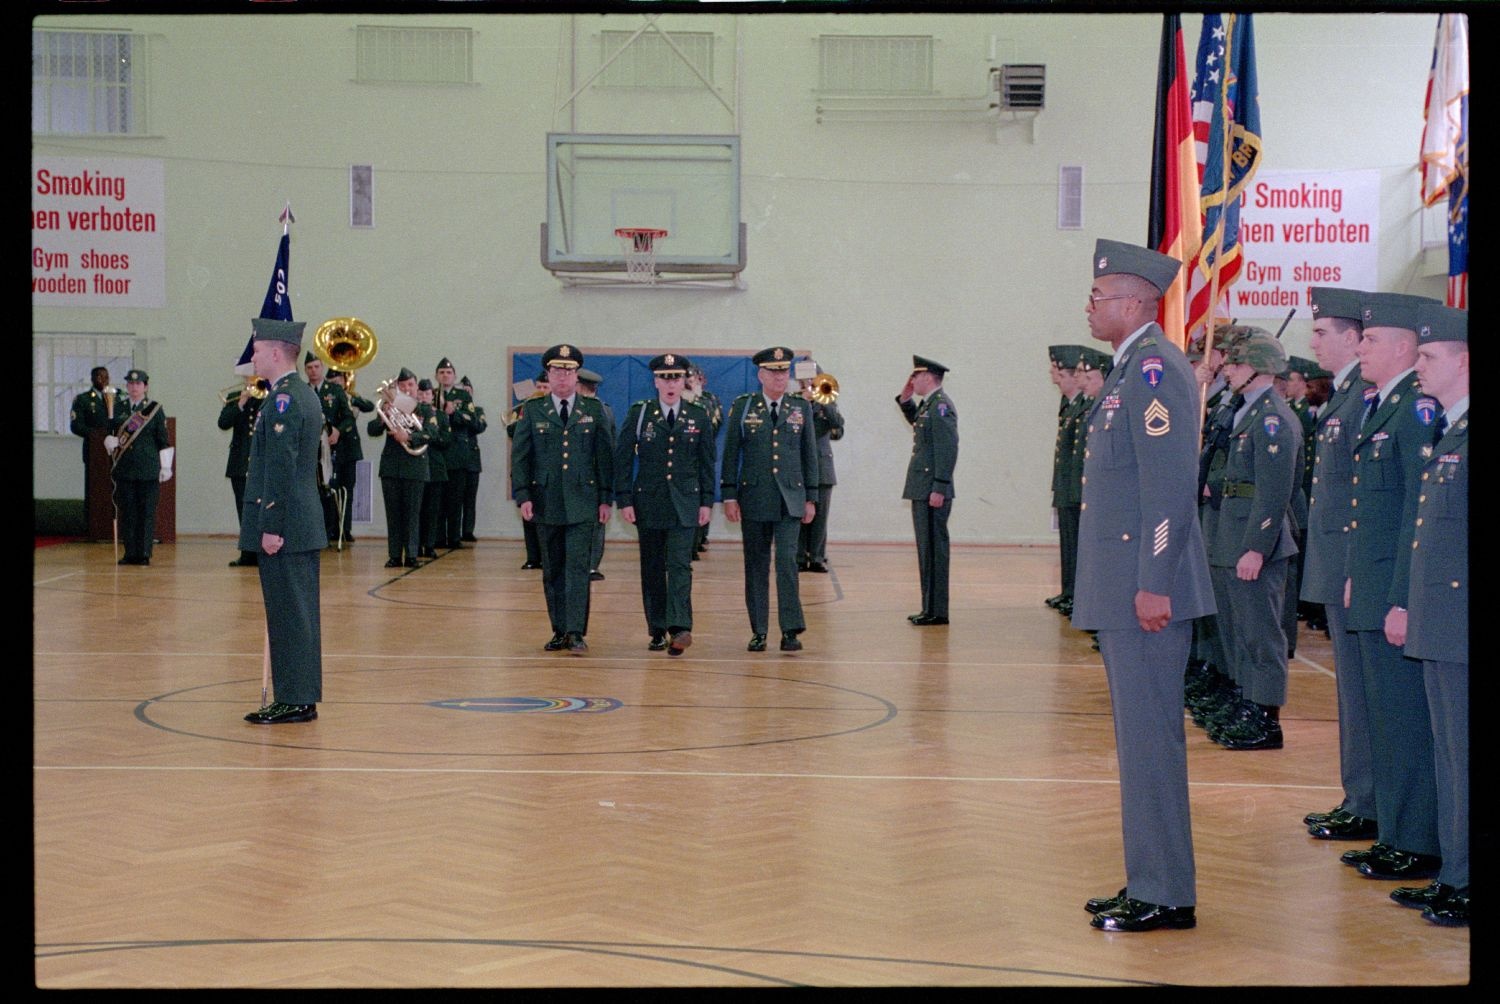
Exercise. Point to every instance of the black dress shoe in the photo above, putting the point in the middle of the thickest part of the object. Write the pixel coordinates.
(576, 644)
(1451, 912)
(680, 641)
(393, 563)
(531, 566)
(1264, 737)
(818, 566)
(1134, 915)
(790, 642)
(1421, 897)
(1398, 864)
(757, 643)
(469, 538)
(596, 576)
(348, 538)
(283, 714)
(454, 545)
(427, 552)
(1357, 858)
(1319, 818)
(1101, 903)
(557, 644)
(1053, 601)
(803, 566)
(413, 563)
(914, 618)
(245, 561)
(658, 642)
(930, 620)
(1344, 826)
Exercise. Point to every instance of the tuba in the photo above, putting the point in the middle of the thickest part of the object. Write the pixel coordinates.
(396, 411)
(345, 343)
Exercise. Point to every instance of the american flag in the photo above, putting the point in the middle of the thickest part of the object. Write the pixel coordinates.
(1226, 130)
(1445, 145)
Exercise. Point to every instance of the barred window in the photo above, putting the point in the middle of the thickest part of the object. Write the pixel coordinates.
(88, 82)
(413, 55)
(875, 64)
(650, 62)
(61, 363)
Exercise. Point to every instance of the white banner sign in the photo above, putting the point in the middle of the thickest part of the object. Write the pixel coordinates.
(1301, 229)
(98, 232)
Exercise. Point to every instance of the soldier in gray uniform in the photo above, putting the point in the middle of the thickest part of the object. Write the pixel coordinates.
(283, 521)
(588, 386)
(562, 475)
(770, 480)
(142, 456)
(1143, 577)
(929, 481)
(1250, 536)
(664, 486)
(828, 426)
(1337, 327)
(1396, 429)
(1436, 622)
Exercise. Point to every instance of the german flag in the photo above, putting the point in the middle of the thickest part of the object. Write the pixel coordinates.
(1175, 226)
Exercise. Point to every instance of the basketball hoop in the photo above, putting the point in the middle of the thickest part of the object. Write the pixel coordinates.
(639, 244)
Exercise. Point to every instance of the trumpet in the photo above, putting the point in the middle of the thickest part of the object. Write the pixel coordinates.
(257, 386)
(395, 410)
(824, 389)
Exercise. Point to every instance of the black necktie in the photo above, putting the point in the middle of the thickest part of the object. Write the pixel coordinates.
(1370, 410)
(773, 412)
(563, 413)
(1440, 431)
(671, 417)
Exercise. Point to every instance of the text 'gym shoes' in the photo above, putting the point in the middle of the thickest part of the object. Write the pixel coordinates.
(280, 713)
(1134, 916)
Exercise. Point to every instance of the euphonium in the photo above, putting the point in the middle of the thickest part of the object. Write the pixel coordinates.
(395, 410)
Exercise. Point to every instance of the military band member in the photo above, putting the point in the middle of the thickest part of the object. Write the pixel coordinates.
(349, 451)
(1065, 497)
(403, 478)
(142, 458)
(1143, 577)
(477, 424)
(588, 386)
(1390, 441)
(283, 522)
(828, 426)
(456, 404)
(1250, 536)
(696, 391)
(440, 437)
(238, 416)
(664, 486)
(1337, 327)
(769, 481)
(94, 409)
(1436, 623)
(929, 480)
(562, 474)
(338, 421)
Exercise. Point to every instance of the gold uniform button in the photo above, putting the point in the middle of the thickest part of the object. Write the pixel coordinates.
(1354, 524)
(1124, 536)
(1356, 458)
(1419, 521)
(669, 477)
(775, 456)
(1454, 583)
(1315, 479)
(669, 463)
(565, 456)
(775, 470)
(1083, 481)
(1414, 545)
(1356, 480)
(1424, 475)
(565, 466)
(1421, 498)
(1354, 501)
(1082, 506)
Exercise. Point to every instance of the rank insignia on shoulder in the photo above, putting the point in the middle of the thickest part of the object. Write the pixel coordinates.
(1272, 448)
(278, 428)
(283, 402)
(1426, 409)
(1426, 450)
(1158, 418)
(1152, 370)
(1272, 424)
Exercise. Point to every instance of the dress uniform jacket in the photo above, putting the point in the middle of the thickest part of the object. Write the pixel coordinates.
(240, 422)
(934, 447)
(463, 452)
(141, 462)
(828, 425)
(281, 493)
(665, 472)
(439, 438)
(90, 411)
(1069, 421)
(1323, 570)
(772, 472)
(395, 462)
(1438, 598)
(1257, 485)
(566, 473)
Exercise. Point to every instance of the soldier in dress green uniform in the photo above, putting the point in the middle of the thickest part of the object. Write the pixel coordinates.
(456, 404)
(440, 437)
(475, 423)
(1390, 447)
(588, 386)
(770, 481)
(562, 474)
(1250, 536)
(238, 417)
(1293, 387)
(403, 474)
(1436, 625)
(283, 521)
(338, 421)
(929, 480)
(828, 427)
(696, 392)
(1092, 367)
(1065, 494)
(528, 527)
(664, 486)
(94, 409)
(349, 451)
(142, 458)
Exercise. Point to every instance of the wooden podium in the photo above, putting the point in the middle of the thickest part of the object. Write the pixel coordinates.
(99, 491)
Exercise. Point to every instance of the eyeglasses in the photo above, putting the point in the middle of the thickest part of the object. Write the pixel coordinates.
(1094, 301)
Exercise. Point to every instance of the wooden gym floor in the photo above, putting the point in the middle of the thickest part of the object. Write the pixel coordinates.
(893, 805)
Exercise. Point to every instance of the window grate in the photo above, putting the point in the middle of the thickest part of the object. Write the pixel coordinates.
(413, 55)
(88, 83)
(875, 64)
(1070, 197)
(650, 62)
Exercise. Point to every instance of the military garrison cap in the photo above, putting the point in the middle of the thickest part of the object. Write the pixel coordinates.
(443, 364)
(1259, 350)
(1117, 258)
(1394, 310)
(269, 328)
(137, 376)
(464, 381)
(1093, 359)
(777, 357)
(921, 364)
(1065, 356)
(589, 377)
(670, 364)
(1442, 324)
(1333, 301)
(405, 374)
(563, 356)
(1305, 368)
(424, 384)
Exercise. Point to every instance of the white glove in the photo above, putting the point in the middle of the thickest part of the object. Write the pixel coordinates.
(111, 443)
(166, 464)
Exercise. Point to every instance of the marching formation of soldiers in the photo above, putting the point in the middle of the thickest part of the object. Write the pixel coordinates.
(1335, 492)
